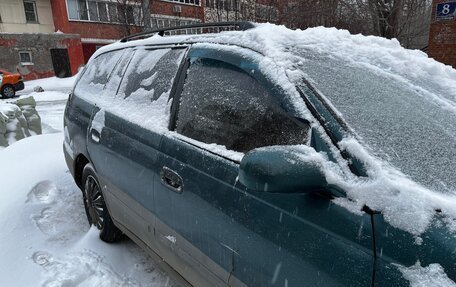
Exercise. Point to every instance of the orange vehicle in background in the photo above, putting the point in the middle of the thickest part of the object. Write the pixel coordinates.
(10, 83)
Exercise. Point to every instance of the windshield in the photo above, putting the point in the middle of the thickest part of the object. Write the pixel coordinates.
(411, 123)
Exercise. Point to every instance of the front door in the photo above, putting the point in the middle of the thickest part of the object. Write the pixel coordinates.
(61, 63)
(239, 235)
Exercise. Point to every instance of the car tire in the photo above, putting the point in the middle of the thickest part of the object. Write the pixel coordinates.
(95, 206)
(8, 91)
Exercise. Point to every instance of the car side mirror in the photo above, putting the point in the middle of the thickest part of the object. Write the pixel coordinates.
(283, 169)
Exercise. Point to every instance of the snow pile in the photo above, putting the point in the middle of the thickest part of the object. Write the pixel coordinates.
(45, 237)
(404, 203)
(50, 84)
(432, 275)
(46, 240)
(18, 120)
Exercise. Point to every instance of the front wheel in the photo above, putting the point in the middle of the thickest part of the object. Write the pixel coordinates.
(95, 206)
(8, 91)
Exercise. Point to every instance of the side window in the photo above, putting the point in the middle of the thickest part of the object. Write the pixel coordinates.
(222, 104)
(150, 75)
(111, 87)
(96, 74)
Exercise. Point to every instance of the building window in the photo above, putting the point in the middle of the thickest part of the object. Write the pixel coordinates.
(30, 12)
(113, 13)
(104, 11)
(93, 11)
(25, 58)
(266, 13)
(82, 10)
(161, 21)
(188, 2)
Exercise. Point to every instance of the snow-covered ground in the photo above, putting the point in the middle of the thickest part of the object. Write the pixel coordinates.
(45, 239)
(49, 84)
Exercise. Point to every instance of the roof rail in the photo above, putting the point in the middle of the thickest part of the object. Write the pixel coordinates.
(221, 26)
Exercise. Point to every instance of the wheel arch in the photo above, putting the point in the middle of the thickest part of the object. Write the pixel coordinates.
(79, 164)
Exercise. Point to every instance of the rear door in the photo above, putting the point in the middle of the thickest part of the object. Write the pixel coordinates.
(125, 133)
(231, 234)
(61, 63)
(86, 95)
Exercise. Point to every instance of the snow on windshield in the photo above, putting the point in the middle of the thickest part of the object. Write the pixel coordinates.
(400, 122)
(400, 103)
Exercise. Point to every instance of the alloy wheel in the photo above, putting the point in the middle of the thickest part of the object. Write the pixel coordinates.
(94, 202)
(8, 91)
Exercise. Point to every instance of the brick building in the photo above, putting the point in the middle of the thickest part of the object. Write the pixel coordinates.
(243, 10)
(100, 22)
(41, 38)
(442, 35)
(29, 44)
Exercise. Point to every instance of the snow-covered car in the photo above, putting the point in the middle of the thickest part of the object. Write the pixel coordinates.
(270, 157)
(10, 83)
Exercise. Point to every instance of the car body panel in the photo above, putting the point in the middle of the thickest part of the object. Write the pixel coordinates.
(261, 234)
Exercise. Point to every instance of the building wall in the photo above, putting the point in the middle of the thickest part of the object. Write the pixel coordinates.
(98, 33)
(188, 11)
(442, 38)
(111, 31)
(39, 45)
(13, 17)
(87, 29)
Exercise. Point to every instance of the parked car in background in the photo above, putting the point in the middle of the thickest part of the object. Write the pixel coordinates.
(10, 83)
(262, 158)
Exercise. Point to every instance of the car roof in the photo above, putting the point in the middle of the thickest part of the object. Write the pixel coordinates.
(164, 36)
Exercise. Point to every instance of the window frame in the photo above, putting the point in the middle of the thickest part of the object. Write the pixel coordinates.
(161, 47)
(185, 2)
(87, 66)
(233, 58)
(35, 12)
(29, 53)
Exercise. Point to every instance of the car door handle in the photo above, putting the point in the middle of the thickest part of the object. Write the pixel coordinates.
(95, 135)
(171, 179)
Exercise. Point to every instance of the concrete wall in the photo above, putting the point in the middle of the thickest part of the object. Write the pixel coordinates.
(442, 38)
(13, 17)
(39, 45)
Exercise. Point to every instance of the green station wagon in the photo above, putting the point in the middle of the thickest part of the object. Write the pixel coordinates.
(249, 158)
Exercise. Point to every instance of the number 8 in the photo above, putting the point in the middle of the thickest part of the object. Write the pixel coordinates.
(446, 9)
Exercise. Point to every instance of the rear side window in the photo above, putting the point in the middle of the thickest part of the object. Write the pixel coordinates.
(97, 73)
(143, 94)
(150, 74)
(222, 104)
(115, 78)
